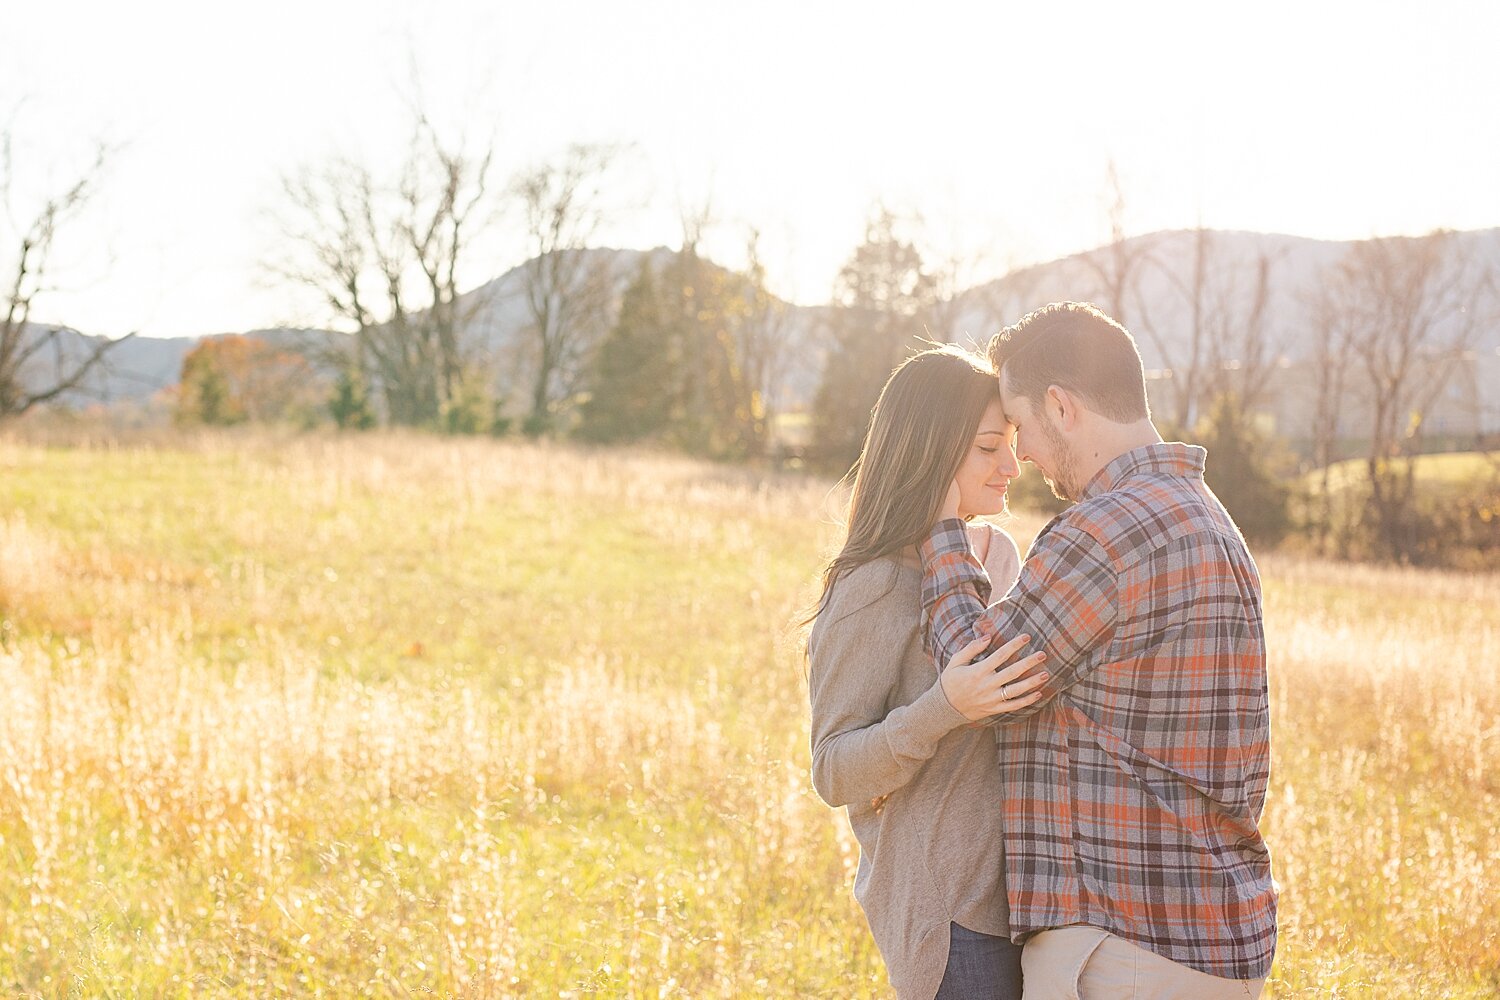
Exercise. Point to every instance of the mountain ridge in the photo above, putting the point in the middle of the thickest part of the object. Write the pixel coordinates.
(1156, 312)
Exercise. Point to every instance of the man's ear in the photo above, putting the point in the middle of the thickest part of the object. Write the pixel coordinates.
(1062, 407)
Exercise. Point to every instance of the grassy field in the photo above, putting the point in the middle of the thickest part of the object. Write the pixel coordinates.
(1452, 469)
(402, 716)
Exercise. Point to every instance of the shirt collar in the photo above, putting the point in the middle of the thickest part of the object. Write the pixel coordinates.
(1170, 458)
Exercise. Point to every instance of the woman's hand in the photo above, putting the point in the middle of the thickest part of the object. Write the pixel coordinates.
(981, 689)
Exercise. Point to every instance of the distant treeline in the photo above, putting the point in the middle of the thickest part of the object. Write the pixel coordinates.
(691, 354)
(678, 352)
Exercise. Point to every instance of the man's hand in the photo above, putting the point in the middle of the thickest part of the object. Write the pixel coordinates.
(981, 689)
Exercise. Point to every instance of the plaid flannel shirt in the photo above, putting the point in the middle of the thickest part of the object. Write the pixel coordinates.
(1133, 788)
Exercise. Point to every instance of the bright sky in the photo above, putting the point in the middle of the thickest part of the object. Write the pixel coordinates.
(995, 120)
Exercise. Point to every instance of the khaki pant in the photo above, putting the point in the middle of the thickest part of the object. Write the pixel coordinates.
(1085, 963)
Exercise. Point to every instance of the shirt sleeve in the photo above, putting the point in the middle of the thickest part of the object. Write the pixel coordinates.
(1066, 599)
(862, 748)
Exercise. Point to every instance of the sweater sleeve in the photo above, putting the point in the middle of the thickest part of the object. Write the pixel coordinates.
(860, 750)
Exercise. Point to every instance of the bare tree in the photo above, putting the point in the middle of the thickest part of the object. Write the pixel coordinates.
(882, 301)
(1116, 267)
(960, 292)
(567, 289)
(385, 257)
(1411, 308)
(688, 286)
(1182, 357)
(1333, 353)
(763, 335)
(1226, 354)
(40, 363)
(441, 205)
(1243, 351)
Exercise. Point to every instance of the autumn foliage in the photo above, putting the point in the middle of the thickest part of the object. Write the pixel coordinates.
(235, 379)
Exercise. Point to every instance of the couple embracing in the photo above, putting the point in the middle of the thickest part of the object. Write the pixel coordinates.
(1055, 767)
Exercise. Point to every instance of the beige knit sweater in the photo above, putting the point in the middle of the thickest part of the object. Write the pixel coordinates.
(881, 725)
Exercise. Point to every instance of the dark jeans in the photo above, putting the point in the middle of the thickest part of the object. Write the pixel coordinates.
(980, 967)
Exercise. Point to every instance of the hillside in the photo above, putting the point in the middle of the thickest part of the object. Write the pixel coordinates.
(1158, 312)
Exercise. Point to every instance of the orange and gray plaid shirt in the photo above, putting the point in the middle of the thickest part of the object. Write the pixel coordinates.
(1134, 787)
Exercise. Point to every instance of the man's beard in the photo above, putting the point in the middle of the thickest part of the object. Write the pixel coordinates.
(1064, 476)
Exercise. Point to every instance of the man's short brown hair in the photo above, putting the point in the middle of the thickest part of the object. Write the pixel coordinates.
(1077, 347)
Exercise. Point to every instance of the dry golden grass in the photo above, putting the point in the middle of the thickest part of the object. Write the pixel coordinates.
(394, 715)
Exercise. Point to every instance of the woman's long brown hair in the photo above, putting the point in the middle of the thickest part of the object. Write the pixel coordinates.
(921, 428)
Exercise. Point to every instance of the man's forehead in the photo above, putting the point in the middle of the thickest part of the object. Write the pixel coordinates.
(1011, 405)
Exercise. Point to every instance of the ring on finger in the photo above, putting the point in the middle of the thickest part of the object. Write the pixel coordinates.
(1005, 691)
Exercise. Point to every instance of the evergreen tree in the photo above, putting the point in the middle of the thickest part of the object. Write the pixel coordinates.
(673, 367)
(469, 408)
(214, 407)
(880, 303)
(715, 415)
(1243, 471)
(635, 377)
(350, 405)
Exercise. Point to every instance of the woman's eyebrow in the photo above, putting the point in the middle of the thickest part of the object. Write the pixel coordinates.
(983, 433)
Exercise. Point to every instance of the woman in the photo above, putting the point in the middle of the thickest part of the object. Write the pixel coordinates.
(893, 740)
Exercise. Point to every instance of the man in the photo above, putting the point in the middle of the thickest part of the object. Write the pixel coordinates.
(1134, 787)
